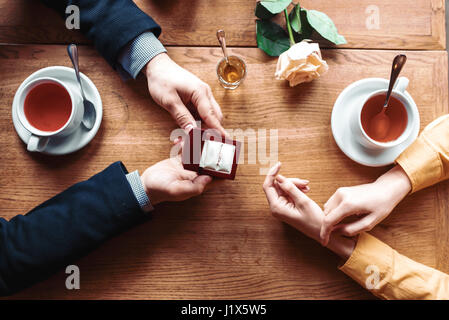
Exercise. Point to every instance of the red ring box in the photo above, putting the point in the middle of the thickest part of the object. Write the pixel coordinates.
(193, 148)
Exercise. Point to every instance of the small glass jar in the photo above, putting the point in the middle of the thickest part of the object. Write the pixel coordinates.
(231, 74)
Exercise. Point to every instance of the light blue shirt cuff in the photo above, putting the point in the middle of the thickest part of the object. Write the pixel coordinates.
(139, 191)
(137, 54)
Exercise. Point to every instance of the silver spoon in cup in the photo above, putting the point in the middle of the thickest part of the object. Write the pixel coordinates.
(381, 122)
(229, 69)
(221, 36)
(90, 114)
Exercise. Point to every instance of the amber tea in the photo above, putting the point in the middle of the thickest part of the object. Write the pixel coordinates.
(396, 112)
(231, 74)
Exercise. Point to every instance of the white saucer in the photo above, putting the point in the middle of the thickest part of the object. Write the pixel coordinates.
(354, 95)
(81, 137)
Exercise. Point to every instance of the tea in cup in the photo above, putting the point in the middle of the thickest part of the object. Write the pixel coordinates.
(231, 73)
(48, 108)
(401, 116)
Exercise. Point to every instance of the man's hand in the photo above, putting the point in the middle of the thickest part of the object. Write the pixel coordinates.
(168, 181)
(373, 202)
(176, 89)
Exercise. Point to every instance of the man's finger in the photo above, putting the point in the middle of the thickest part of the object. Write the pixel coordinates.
(188, 175)
(208, 114)
(196, 186)
(181, 114)
(214, 104)
(216, 107)
(201, 182)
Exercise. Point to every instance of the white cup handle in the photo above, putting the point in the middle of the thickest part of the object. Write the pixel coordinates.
(401, 84)
(37, 144)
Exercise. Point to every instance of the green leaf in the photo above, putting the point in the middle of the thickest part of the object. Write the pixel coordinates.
(262, 12)
(271, 38)
(306, 28)
(324, 26)
(295, 18)
(275, 6)
(301, 26)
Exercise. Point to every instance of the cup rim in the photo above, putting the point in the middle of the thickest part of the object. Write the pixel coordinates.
(231, 83)
(410, 115)
(21, 105)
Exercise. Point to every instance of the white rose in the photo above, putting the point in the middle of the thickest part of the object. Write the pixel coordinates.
(301, 63)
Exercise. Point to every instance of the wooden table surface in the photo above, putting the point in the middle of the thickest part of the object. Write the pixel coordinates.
(402, 24)
(225, 244)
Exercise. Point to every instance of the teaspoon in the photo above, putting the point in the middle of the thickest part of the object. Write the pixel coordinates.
(90, 114)
(230, 72)
(381, 122)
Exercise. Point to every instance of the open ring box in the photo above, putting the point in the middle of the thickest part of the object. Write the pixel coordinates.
(210, 153)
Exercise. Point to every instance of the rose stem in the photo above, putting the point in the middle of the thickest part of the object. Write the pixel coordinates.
(289, 28)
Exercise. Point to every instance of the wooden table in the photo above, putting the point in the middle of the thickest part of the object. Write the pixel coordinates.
(225, 244)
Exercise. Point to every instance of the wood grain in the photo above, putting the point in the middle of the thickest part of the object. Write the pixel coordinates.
(194, 22)
(223, 244)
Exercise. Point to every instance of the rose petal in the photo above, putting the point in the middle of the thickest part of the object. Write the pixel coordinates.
(301, 63)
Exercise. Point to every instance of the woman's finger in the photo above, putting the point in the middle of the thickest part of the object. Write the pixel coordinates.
(332, 203)
(364, 224)
(333, 218)
(291, 190)
(268, 185)
(300, 183)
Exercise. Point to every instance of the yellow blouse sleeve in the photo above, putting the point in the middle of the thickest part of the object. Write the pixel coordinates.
(390, 275)
(426, 161)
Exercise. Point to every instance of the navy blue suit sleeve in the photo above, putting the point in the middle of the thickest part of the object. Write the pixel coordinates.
(66, 227)
(110, 24)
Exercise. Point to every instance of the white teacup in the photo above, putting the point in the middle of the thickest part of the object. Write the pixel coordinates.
(39, 139)
(412, 118)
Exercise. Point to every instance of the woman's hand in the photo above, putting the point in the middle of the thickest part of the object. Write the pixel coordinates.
(288, 203)
(372, 202)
